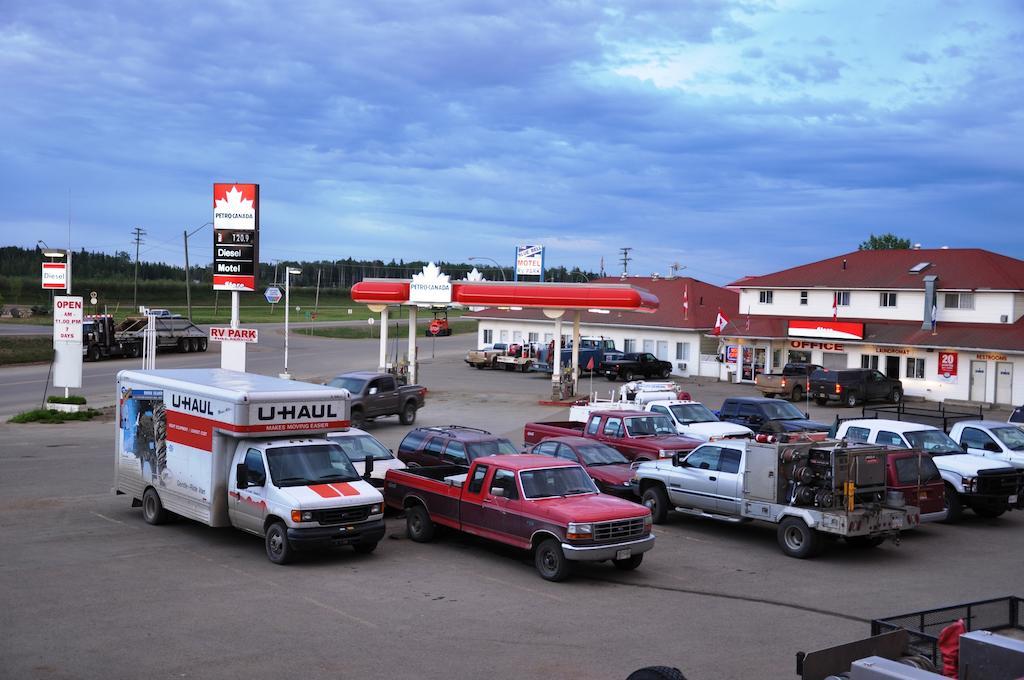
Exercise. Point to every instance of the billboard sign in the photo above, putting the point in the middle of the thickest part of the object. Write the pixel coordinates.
(832, 330)
(220, 334)
(948, 367)
(529, 260)
(55, 275)
(67, 341)
(236, 228)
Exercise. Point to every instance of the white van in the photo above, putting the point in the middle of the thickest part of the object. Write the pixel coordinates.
(358, 445)
(243, 450)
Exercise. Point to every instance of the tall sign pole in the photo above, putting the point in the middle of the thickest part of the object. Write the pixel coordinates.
(236, 225)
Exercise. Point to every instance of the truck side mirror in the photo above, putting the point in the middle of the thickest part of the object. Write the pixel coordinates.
(677, 459)
(807, 416)
(368, 467)
(963, 445)
(373, 390)
(241, 476)
(498, 491)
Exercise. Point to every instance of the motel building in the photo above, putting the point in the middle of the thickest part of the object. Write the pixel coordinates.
(874, 309)
(671, 333)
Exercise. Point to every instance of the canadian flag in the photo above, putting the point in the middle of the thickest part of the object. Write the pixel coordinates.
(686, 302)
(720, 323)
(835, 306)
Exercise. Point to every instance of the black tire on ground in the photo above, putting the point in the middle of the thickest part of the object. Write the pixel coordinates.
(134, 350)
(183, 345)
(628, 376)
(479, 366)
(279, 551)
(365, 548)
(550, 561)
(630, 563)
(656, 500)
(851, 400)
(525, 367)
(988, 511)
(955, 510)
(94, 353)
(820, 402)
(797, 539)
(657, 673)
(896, 396)
(408, 414)
(203, 344)
(152, 509)
(666, 372)
(865, 541)
(418, 524)
(357, 418)
(798, 393)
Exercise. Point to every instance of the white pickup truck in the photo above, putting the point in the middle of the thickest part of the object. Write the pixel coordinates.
(808, 489)
(988, 487)
(991, 439)
(696, 420)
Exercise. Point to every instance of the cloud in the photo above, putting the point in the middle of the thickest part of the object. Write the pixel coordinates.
(921, 57)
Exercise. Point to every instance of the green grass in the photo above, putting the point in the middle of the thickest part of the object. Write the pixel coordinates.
(360, 332)
(29, 320)
(42, 415)
(24, 349)
(73, 399)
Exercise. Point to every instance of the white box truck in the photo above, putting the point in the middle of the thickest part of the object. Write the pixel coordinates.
(236, 449)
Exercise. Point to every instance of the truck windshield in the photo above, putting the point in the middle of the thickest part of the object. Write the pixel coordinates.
(935, 442)
(358, 447)
(561, 481)
(600, 454)
(307, 464)
(353, 385)
(781, 410)
(693, 413)
(491, 448)
(1012, 437)
(648, 426)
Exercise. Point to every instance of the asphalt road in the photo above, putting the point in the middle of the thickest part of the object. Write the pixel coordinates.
(88, 590)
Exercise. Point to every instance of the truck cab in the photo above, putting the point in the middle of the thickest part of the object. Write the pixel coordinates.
(696, 420)
(991, 439)
(638, 435)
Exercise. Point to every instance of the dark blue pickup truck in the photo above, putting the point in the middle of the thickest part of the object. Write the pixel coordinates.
(768, 416)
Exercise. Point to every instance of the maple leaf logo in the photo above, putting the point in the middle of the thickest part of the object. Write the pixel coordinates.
(233, 201)
(431, 274)
(475, 276)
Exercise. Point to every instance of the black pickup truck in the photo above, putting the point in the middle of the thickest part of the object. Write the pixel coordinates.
(375, 395)
(853, 386)
(633, 365)
(768, 416)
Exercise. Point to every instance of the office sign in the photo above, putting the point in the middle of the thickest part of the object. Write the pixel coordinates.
(67, 341)
(55, 275)
(833, 330)
(529, 260)
(236, 228)
(948, 367)
(220, 334)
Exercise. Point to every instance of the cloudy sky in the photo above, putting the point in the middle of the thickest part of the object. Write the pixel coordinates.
(732, 137)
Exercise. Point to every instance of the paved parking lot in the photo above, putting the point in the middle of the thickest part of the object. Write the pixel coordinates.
(88, 590)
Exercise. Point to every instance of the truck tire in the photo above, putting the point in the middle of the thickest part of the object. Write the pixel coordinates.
(479, 366)
(279, 551)
(357, 418)
(656, 500)
(628, 376)
(630, 563)
(954, 509)
(408, 414)
(183, 345)
(896, 396)
(797, 539)
(666, 372)
(550, 561)
(365, 548)
(152, 509)
(657, 673)
(134, 350)
(418, 524)
(94, 353)
(203, 344)
(798, 393)
(851, 399)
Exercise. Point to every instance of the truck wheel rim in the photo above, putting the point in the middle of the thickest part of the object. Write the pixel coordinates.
(415, 524)
(794, 538)
(651, 504)
(276, 544)
(150, 507)
(548, 561)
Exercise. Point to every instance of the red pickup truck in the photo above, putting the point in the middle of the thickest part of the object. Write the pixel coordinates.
(547, 506)
(637, 435)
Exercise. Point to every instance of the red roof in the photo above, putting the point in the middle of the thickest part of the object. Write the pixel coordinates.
(957, 269)
(705, 300)
(967, 336)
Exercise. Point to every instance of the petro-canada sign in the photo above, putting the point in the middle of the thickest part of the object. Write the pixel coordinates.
(236, 228)
(430, 287)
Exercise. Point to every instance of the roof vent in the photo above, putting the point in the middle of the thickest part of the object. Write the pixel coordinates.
(917, 246)
(920, 267)
(654, 276)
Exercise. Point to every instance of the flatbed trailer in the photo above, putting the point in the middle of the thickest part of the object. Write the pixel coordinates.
(102, 339)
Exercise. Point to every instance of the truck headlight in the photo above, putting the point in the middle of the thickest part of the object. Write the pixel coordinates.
(662, 453)
(648, 522)
(970, 484)
(375, 509)
(580, 530)
(302, 515)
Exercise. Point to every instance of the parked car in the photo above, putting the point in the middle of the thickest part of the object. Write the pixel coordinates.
(696, 420)
(357, 445)
(768, 416)
(790, 383)
(548, 507)
(915, 475)
(635, 365)
(609, 469)
(377, 395)
(637, 435)
(987, 487)
(853, 386)
(991, 439)
(451, 445)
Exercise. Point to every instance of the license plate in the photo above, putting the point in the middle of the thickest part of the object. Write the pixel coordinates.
(623, 554)
(1013, 499)
(897, 523)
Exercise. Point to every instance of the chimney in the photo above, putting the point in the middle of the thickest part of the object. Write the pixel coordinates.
(930, 282)
(844, 263)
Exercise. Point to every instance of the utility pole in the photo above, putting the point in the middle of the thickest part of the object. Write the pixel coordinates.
(316, 303)
(188, 279)
(625, 258)
(138, 232)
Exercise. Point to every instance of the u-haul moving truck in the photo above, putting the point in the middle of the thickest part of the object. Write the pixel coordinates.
(236, 449)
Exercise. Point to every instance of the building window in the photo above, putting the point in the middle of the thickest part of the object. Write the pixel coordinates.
(842, 298)
(958, 301)
(803, 297)
(488, 336)
(887, 299)
(548, 337)
(534, 337)
(682, 351)
(765, 297)
(504, 336)
(629, 345)
(869, 361)
(517, 337)
(915, 368)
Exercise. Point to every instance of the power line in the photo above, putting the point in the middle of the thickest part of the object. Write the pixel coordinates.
(625, 258)
(139, 232)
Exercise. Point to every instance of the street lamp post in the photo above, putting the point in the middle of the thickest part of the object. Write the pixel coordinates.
(490, 259)
(288, 271)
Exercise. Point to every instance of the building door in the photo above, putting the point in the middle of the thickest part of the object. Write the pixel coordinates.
(760, 356)
(649, 346)
(834, 360)
(978, 378)
(1004, 383)
(662, 352)
(892, 367)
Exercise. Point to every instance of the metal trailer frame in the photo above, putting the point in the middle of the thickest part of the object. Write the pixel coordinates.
(931, 416)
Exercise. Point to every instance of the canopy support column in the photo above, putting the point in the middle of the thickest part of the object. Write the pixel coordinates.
(412, 345)
(556, 362)
(575, 353)
(383, 364)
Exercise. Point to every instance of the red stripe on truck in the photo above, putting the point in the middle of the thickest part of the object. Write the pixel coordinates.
(344, 488)
(197, 432)
(325, 490)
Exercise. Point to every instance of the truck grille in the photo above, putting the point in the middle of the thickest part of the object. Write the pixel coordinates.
(618, 529)
(340, 515)
(997, 482)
